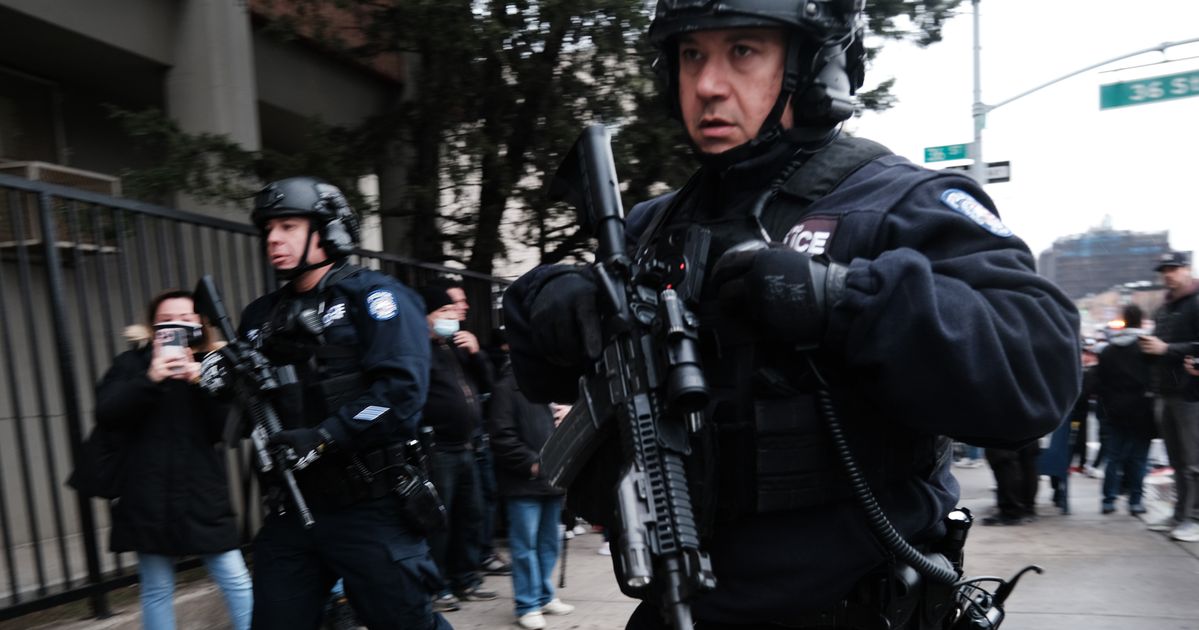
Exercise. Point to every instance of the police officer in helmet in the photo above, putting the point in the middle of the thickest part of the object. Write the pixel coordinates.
(834, 267)
(356, 342)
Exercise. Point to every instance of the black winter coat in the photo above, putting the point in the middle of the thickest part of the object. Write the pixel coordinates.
(1176, 322)
(176, 495)
(1123, 386)
(518, 430)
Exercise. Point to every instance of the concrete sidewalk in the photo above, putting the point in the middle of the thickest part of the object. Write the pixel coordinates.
(1101, 573)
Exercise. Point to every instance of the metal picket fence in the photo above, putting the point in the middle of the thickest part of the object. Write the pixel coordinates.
(75, 268)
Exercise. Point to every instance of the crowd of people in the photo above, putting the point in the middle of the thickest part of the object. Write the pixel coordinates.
(1140, 382)
(370, 395)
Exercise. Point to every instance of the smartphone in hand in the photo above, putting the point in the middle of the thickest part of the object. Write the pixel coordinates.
(172, 342)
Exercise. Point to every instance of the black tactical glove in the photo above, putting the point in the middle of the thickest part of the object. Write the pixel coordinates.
(564, 318)
(782, 292)
(308, 444)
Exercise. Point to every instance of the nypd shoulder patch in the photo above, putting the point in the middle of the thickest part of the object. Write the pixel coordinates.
(381, 304)
(963, 203)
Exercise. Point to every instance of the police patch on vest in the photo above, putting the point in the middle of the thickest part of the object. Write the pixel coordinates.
(381, 304)
(335, 312)
(961, 202)
(812, 236)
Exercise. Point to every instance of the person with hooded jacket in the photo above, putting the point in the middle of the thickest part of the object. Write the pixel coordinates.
(175, 496)
(1123, 387)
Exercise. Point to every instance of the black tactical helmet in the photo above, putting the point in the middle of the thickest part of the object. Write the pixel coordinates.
(825, 56)
(318, 200)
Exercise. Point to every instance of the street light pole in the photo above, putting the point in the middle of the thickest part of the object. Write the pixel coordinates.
(978, 170)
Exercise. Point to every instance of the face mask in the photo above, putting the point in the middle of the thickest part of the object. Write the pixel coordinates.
(445, 327)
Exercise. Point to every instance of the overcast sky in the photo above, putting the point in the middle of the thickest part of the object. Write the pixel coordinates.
(1072, 163)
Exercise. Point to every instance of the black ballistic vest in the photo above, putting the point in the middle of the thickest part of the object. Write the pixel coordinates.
(765, 447)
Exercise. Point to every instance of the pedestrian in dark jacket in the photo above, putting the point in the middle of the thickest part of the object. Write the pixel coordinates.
(519, 429)
(1123, 389)
(1176, 329)
(175, 500)
(459, 378)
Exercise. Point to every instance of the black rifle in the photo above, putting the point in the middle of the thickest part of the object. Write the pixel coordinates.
(254, 378)
(647, 382)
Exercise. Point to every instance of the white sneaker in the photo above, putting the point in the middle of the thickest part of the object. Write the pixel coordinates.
(531, 620)
(579, 530)
(557, 607)
(1187, 532)
(604, 549)
(1167, 524)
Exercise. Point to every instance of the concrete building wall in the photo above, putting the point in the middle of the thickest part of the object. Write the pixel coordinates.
(204, 62)
(143, 27)
(300, 80)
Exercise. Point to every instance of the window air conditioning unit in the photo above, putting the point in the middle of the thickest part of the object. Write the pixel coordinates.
(64, 176)
(32, 230)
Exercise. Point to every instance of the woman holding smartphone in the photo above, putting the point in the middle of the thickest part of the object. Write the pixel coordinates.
(175, 500)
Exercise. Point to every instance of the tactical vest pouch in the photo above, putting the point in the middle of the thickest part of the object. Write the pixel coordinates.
(420, 505)
(340, 390)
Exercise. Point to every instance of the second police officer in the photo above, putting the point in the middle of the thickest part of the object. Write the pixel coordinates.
(920, 310)
(362, 376)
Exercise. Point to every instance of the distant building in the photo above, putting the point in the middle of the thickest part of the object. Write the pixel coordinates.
(1101, 258)
(1099, 310)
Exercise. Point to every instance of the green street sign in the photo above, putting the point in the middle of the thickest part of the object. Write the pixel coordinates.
(947, 152)
(1149, 90)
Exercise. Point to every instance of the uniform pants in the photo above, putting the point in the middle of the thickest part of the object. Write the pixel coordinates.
(1016, 480)
(389, 576)
(1178, 421)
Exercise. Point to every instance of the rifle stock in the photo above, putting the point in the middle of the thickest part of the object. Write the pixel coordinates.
(253, 376)
(647, 384)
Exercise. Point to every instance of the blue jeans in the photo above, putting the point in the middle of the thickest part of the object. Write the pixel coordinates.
(534, 541)
(1127, 453)
(227, 569)
(456, 550)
